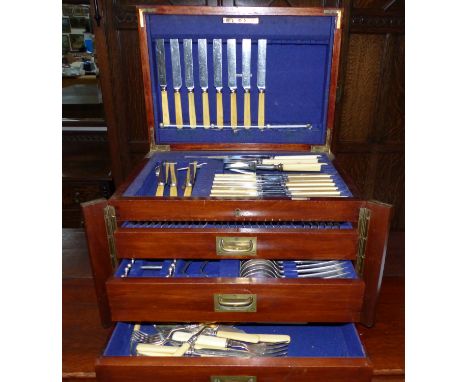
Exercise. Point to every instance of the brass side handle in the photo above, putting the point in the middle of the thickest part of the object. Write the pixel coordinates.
(245, 246)
(235, 302)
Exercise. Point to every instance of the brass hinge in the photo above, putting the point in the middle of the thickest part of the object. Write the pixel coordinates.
(153, 146)
(363, 230)
(338, 14)
(324, 148)
(111, 225)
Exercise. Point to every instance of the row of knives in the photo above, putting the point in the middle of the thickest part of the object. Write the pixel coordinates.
(217, 81)
(166, 174)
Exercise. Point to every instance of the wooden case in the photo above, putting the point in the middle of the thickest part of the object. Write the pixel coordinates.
(114, 235)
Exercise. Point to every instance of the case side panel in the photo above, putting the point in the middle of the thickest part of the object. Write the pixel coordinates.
(374, 262)
(98, 250)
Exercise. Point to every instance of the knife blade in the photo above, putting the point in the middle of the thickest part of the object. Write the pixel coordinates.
(232, 79)
(161, 67)
(261, 81)
(218, 79)
(189, 83)
(246, 56)
(203, 74)
(176, 80)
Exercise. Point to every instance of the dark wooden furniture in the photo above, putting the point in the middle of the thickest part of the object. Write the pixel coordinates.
(85, 171)
(186, 300)
(84, 338)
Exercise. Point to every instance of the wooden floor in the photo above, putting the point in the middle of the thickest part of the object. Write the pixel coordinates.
(84, 339)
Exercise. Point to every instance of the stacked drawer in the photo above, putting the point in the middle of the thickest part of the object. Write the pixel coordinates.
(206, 285)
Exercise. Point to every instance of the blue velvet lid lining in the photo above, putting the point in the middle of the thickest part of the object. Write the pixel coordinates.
(299, 56)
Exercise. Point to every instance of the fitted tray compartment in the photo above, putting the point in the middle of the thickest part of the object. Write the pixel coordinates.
(331, 353)
(270, 240)
(234, 299)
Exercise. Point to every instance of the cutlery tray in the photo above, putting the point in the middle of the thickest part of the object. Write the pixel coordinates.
(145, 183)
(212, 268)
(316, 352)
(220, 295)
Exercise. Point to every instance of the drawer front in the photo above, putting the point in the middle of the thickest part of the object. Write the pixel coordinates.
(235, 300)
(223, 243)
(126, 369)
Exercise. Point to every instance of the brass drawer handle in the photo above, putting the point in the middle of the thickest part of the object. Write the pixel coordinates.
(245, 246)
(233, 378)
(235, 302)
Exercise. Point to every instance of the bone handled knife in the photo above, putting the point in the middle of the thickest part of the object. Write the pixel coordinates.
(189, 83)
(190, 179)
(203, 74)
(261, 81)
(176, 80)
(218, 79)
(161, 66)
(232, 79)
(246, 55)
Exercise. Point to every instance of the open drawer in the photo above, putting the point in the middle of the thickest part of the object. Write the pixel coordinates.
(220, 294)
(269, 240)
(328, 353)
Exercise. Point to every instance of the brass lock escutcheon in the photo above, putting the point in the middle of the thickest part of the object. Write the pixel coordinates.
(236, 246)
(233, 378)
(235, 302)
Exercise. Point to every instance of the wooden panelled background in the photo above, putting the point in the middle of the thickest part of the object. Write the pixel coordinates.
(369, 130)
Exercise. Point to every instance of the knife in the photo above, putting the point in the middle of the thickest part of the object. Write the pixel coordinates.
(218, 79)
(232, 80)
(261, 83)
(189, 83)
(203, 74)
(161, 66)
(190, 179)
(246, 53)
(176, 80)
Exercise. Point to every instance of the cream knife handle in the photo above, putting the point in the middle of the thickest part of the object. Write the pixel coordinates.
(219, 109)
(247, 120)
(261, 109)
(296, 156)
(208, 342)
(192, 114)
(289, 161)
(165, 107)
(274, 338)
(160, 190)
(188, 191)
(157, 348)
(302, 167)
(173, 189)
(251, 338)
(182, 350)
(233, 109)
(206, 110)
(178, 109)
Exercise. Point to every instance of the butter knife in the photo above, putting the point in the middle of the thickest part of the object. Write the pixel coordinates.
(246, 56)
(189, 83)
(218, 80)
(161, 67)
(203, 74)
(176, 80)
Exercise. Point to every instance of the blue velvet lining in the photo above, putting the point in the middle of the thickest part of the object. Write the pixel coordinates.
(299, 54)
(238, 225)
(321, 341)
(211, 268)
(145, 182)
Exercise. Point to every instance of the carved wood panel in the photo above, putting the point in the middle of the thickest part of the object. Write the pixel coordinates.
(360, 87)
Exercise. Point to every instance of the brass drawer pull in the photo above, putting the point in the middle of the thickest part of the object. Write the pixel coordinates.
(233, 378)
(235, 302)
(245, 246)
